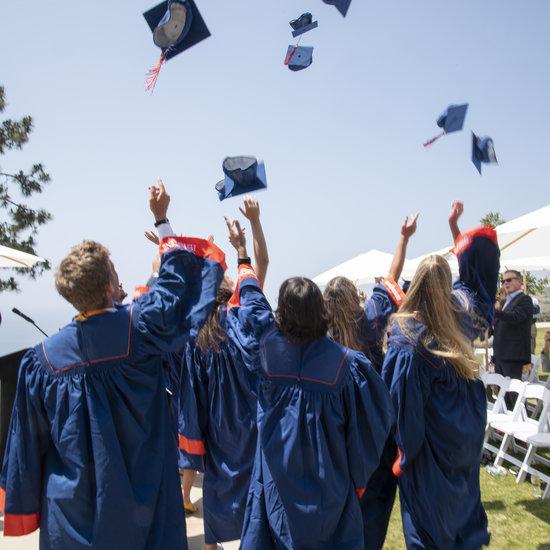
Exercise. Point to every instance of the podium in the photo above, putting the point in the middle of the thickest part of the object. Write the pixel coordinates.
(9, 368)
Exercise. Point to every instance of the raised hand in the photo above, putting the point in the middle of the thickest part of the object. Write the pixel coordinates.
(408, 227)
(158, 200)
(251, 210)
(457, 207)
(236, 234)
(151, 236)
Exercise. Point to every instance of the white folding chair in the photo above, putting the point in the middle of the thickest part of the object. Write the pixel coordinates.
(503, 413)
(500, 412)
(490, 381)
(531, 431)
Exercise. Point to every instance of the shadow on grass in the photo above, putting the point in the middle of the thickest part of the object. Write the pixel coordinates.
(540, 509)
(544, 546)
(195, 542)
(494, 505)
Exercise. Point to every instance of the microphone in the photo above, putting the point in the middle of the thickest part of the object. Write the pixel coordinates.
(28, 319)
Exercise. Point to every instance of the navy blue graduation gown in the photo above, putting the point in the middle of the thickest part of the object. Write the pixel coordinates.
(218, 420)
(384, 301)
(441, 417)
(91, 457)
(323, 418)
(377, 503)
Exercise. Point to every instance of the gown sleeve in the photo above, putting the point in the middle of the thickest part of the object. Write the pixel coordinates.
(193, 411)
(385, 300)
(27, 443)
(183, 296)
(409, 390)
(478, 257)
(369, 420)
(249, 315)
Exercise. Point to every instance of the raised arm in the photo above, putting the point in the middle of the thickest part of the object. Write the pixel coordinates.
(457, 207)
(185, 291)
(407, 231)
(478, 257)
(251, 211)
(249, 312)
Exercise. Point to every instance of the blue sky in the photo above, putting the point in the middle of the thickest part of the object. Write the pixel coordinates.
(342, 140)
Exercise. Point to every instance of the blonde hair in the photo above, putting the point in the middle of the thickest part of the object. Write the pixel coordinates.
(344, 311)
(83, 276)
(430, 300)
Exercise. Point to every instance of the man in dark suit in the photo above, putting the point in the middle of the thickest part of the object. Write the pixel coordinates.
(512, 331)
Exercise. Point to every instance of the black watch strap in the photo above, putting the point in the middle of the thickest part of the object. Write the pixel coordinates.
(242, 261)
(160, 222)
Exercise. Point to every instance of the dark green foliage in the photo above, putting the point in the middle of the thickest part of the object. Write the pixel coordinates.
(492, 218)
(19, 223)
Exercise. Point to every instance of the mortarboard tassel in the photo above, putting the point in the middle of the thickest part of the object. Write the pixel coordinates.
(434, 139)
(153, 73)
(290, 54)
(293, 51)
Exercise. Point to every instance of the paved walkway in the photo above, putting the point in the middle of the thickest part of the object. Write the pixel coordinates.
(195, 531)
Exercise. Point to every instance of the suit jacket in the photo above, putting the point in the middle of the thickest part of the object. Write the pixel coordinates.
(512, 332)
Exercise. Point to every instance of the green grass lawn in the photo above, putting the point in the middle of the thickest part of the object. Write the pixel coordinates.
(517, 520)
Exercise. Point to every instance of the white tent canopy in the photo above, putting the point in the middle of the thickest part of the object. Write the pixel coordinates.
(9, 257)
(524, 243)
(526, 237)
(361, 270)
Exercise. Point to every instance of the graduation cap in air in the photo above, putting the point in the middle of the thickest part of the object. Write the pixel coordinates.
(303, 24)
(299, 57)
(341, 5)
(452, 120)
(242, 175)
(483, 151)
(176, 25)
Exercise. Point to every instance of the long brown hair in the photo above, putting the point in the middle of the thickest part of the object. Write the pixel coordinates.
(212, 334)
(344, 311)
(430, 300)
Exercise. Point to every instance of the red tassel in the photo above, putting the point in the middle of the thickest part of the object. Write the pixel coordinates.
(153, 73)
(290, 54)
(434, 139)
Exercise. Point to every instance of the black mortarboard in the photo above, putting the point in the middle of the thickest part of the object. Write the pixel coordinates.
(341, 5)
(483, 151)
(303, 24)
(299, 57)
(242, 175)
(452, 120)
(176, 25)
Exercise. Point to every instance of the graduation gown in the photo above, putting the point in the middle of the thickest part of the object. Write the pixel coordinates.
(441, 417)
(323, 418)
(385, 299)
(218, 421)
(377, 503)
(91, 457)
